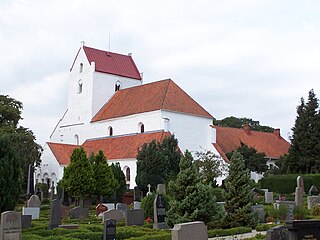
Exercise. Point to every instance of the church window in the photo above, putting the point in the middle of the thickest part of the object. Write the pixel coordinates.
(141, 127)
(110, 130)
(117, 86)
(80, 86)
(76, 139)
(128, 174)
(81, 67)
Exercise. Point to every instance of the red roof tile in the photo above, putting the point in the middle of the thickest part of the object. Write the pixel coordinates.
(165, 95)
(121, 147)
(112, 63)
(229, 139)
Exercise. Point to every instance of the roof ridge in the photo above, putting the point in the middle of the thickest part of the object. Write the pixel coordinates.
(165, 93)
(108, 52)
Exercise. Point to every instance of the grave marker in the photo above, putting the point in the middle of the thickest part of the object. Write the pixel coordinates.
(110, 230)
(10, 226)
(112, 214)
(299, 191)
(79, 212)
(190, 231)
(55, 214)
(100, 208)
(268, 197)
(135, 217)
(159, 213)
(122, 207)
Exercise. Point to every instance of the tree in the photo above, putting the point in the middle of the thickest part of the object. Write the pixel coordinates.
(10, 175)
(191, 200)
(21, 142)
(235, 122)
(254, 161)
(78, 175)
(239, 197)
(210, 166)
(103, 178)
(303, 153)
(157, 162)
(121, 186)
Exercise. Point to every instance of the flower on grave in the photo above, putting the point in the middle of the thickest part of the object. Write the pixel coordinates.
(149, 219)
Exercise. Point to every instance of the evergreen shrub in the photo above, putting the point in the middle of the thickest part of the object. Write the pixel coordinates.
(227, 232)
(316, 210)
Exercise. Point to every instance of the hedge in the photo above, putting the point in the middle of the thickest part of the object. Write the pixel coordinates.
(288, 183)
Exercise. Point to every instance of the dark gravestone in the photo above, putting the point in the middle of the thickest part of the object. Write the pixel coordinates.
(135, 217)
(26, 221)
(159, 213)
(39, 194)
(64, 198)
(137, 194)
(110, 230)
(277, 233)
(30, 185)
(304, 230)
(79, 212)
(122, 207)
(55, 214)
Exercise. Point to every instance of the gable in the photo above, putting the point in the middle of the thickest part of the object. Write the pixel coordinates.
(120, 147)
(229, 139)
(161, 95)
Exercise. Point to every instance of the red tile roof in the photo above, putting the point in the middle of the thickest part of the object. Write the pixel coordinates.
(121, 147)
(229, 139)
(164, 95)
(112, 63)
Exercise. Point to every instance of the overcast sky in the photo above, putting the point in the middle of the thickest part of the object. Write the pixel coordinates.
(244, 58)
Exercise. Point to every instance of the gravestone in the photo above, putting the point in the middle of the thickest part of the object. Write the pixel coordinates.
(112, 214)
(135, 217)
(64, 198)
(299, 191)
(289, 205)
(259, 210)
(110, 230)
(159, 213)
(26, 221)
(33, 211)
(52, 191)
(314, 199)
(64, 211)
(313, 191)
(30, 184)
(122, 207)
(277, 233)
(190, 231)
(304, 230)
(39, 194)
(10, 226)
(100, 208)
(136, 205)
(268, 197)
(282, 197)
(109, 205)
(55, 214)
(79, 212)
(34, 201)
(87, 202)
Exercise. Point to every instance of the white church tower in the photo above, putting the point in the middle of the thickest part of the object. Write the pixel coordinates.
(94, 77)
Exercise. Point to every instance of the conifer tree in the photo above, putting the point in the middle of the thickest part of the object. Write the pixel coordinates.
(239, 197)
(191, 200)
(121, 181)
(78, 176)
(103, 178)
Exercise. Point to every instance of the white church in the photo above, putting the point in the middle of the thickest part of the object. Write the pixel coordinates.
(109, 108)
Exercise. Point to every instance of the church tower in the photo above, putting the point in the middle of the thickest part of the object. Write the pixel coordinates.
(94, 77)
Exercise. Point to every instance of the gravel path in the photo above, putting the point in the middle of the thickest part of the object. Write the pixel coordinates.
(239, 236)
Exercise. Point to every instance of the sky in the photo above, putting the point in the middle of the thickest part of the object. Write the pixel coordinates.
(246, 58)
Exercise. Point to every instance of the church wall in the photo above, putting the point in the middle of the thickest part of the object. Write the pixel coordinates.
(127, 163)
(130, 124)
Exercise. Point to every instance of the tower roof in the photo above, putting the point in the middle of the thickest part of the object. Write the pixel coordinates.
(161, 95)
(112, 63)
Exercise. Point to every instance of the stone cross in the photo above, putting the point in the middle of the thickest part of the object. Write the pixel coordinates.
(149, 187)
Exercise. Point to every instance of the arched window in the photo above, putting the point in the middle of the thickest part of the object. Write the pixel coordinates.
(141, 127)
(110, 131)
(80, 86)
(81, 67)
(128, 174)
(117, 86)
(76, 139)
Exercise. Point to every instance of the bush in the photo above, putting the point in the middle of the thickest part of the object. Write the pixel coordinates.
(316, 210)
(147, 205)
(299, 213)
(228, 232)
(276, 183)
(219, 194)
(264, 227)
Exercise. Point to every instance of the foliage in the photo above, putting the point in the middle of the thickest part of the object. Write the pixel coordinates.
(210, 166)
(235, 122)
(121, 186)
(228, 232)
(147, 204)
(265, 227)
(275, 183)
(219, 194)
(78, 175)
(239, 197)
(103, 179)
(254, 161)
(18, 151)
(299, 213)
(305, 144)
(316, 210)
(191, 199)
(157, 162)
(10, 175)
